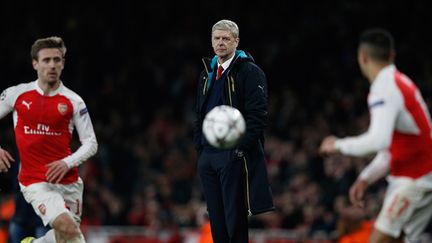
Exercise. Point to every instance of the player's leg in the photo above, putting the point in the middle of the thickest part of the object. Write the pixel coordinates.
(49, 205)
(66, 229)
(420, 219)
(73, 197)
(402, 200)
(24, 221)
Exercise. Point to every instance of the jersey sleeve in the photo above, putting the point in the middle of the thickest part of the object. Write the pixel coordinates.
(384, 105)
(7, 101)
(377, 168)
(86, 134)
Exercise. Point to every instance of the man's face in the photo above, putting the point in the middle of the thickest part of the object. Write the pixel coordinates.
(49, 65)
(224, 44)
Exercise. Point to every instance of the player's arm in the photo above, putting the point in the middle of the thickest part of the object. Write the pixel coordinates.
(383, 112)
(7, 98)
(86, 136)
(81, 119)
(377, 169)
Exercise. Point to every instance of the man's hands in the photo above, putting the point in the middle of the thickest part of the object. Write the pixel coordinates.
(56, 171)
(5, 160)
(328, 146)
(357, 191)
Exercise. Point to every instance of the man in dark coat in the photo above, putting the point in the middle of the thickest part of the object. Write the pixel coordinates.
(234, 181)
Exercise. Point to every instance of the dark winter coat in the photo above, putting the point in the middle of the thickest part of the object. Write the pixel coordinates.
(245, 88)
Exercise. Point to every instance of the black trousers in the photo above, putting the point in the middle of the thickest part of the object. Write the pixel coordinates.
(222, 179)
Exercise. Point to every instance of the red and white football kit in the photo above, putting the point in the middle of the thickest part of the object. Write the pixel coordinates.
(400, 131)
(43, 130)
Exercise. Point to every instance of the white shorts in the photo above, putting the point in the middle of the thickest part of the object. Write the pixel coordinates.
(51, 200)
(407, 207)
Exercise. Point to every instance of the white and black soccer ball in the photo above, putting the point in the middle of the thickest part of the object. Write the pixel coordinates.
(223, 126)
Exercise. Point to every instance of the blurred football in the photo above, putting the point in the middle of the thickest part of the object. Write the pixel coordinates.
(224, 126)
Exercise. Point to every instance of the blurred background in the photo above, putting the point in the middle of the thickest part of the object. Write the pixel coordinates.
(136, 66)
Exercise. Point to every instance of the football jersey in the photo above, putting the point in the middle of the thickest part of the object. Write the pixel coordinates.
(44, 126)
(400, 123)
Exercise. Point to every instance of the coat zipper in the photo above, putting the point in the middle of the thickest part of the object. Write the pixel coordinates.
(207, 78)
(247, 188)
(229, 91)
(205, 86)
(231, 79)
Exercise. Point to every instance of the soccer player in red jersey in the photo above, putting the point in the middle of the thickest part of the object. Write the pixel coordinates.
(45, 113)
(401, 135)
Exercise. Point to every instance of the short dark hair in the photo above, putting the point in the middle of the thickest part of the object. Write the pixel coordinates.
(380, 43)
(49, 42)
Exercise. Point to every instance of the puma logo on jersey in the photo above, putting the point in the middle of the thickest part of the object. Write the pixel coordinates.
(26, 104)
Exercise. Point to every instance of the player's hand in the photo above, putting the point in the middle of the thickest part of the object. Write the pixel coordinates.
(328, 146)
(56, 171)
(357, 191)
(5, 160)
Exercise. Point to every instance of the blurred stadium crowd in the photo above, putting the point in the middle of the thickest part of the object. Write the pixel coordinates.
(136, 67)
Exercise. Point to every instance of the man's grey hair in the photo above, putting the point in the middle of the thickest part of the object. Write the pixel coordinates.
(227, 25)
